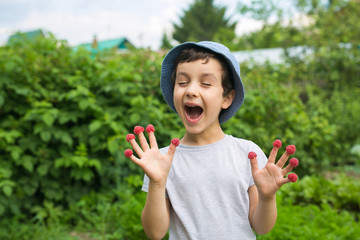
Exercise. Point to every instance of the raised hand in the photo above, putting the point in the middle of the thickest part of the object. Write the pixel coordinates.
(269, 179)
(155, 164)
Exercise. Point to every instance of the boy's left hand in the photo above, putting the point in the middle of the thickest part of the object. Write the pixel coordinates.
(270, 178)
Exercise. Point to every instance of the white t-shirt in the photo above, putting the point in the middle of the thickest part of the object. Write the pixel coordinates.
(208, 190)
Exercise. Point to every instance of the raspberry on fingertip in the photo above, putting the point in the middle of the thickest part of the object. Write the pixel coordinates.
(277, 143)
(175, 141)
(150, 128)
(292, 177)
(130, 137)
(252, 155)
(138, 130)
(128, 153)
(290, 149)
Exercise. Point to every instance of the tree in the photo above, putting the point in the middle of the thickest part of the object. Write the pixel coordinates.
(165, 42)
(202, 21)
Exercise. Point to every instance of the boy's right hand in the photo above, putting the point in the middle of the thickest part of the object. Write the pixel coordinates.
(155, 164)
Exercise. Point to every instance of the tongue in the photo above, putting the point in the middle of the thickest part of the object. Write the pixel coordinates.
(195, 112)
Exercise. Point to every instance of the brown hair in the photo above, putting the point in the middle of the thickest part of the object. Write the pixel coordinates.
(196, 53)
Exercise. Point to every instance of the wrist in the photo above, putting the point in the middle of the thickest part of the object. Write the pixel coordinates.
(267, 198)
(157, 184)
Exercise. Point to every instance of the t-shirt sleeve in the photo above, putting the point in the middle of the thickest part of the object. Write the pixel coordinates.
(145, 186)
(261, 158)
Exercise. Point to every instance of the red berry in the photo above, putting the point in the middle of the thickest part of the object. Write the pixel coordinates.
(294, 162)
(130, 137)
(252, 155)
(175, 141)
(128, 153)
(277, 143)
(138, 130)
(290, 149)
(150, 128)
(292, 177)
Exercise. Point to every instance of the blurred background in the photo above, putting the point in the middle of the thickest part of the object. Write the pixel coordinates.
(77, 76)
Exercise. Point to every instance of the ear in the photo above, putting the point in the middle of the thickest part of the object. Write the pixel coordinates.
(228, 99)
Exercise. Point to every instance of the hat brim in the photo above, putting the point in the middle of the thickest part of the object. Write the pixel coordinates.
(168, 67)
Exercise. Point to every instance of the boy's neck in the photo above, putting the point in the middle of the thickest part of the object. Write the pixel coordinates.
(204, 138)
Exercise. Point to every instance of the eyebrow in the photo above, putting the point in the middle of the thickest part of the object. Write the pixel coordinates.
(202, 75)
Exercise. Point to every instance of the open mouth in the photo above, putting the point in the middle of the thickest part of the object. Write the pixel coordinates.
(193, 112)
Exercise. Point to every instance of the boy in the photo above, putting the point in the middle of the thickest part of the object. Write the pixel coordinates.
(206, 188)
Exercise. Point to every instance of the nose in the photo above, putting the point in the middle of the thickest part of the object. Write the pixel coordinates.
(192, 91)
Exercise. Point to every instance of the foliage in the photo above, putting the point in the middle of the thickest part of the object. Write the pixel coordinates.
(165, 42)
(318, 208)
(311, 23)
(202, 21)
(64, 117)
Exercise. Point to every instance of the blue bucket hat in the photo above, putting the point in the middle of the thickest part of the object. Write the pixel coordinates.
(168, 68)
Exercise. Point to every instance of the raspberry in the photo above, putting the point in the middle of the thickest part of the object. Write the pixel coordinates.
(294, 162)
(138, 130)
(292, 177)
(128, 153)
(277, 143)
(252, 155)
(175, 141)
(150, 128)
(130, 137)
(290, 149)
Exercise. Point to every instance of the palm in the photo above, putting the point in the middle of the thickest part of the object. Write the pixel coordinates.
(269, 179)
(155, 164)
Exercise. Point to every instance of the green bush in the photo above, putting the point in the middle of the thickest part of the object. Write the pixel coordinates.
(318, 208)
(64, 117)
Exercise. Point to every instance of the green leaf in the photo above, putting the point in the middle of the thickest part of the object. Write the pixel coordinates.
(66, 138)
(27, 163)
(2, 209)
(7, 190)
(2, 101)
(95, 125)
(45, 136)
(48, 119)
(135, 118)
(43, 169)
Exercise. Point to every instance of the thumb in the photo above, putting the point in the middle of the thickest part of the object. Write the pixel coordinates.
(253, 161)
(174, 143)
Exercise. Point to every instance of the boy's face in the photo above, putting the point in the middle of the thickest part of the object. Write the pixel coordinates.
(198, 94)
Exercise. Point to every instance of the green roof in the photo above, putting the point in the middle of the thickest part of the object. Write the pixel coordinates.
(118, 43)
(30, 35)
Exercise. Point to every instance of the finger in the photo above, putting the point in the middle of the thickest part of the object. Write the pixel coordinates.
(293, 162)
(253, 161)
(289, 151)
(276, 145)
(152, 139)
(131, 139)
(286, 169)
(174, 143)
(138, 130)
(129, 154)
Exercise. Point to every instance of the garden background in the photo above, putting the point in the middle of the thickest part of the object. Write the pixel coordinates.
(64, 115)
